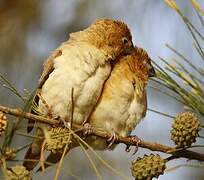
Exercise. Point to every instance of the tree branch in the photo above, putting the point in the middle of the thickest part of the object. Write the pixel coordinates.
(129, 141)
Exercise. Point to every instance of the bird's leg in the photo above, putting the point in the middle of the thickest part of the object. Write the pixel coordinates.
(113, 139)
(137, 141)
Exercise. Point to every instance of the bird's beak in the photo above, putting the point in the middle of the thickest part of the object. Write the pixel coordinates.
(130, 48)
(152, 72)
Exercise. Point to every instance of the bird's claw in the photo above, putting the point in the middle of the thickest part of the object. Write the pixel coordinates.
(89, 129)
(127, 149)
(137, 141)
(113, 139)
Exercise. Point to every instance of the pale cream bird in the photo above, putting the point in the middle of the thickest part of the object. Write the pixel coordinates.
(123, 103)
(81, 64)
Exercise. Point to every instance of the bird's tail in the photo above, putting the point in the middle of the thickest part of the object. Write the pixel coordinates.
(31, 159)
(54, 158)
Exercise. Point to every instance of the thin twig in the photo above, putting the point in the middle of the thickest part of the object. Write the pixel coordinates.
(19, 112)
(103, 134)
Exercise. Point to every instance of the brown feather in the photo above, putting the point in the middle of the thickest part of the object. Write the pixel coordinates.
(30, 156)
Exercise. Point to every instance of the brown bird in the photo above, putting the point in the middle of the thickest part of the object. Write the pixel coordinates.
(79, 66)
(123, 102)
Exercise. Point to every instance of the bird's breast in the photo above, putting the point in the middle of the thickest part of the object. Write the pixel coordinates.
(80, 69)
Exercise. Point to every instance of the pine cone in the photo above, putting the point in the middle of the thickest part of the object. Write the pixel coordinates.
(58, 138)
(3, 123)
(18, 173)
(185, 129)
(148, 167)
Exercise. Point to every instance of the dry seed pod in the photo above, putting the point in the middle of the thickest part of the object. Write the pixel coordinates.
(3, 123)
(148, 167)
(18, 173)
(185, 129)
(57, 139)
(9, 153)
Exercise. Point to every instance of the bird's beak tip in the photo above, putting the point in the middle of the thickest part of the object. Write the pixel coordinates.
(130, 49)
(152, 73)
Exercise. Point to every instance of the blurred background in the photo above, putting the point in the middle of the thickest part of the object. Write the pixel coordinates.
(31, 29)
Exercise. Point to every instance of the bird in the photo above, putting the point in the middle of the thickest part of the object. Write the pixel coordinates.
(123, 103)
(73, 76)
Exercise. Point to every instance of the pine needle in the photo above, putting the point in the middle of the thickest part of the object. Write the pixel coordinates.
(107, 165)
(184, 165)
(161, 113)
(91, 161)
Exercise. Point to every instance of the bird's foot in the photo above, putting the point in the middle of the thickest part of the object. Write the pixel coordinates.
(137, 141)
(112, 140)
(89, 129)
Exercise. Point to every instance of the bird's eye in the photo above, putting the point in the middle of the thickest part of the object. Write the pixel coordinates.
(125, 40)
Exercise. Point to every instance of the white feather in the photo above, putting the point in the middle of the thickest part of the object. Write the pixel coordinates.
(81, 67)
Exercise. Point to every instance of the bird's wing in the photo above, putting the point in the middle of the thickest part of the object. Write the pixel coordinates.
(83, 68)
(48, 67)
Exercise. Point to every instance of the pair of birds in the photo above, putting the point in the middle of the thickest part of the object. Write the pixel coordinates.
(98, 77)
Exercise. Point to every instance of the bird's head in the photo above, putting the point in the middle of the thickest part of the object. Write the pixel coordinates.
(111, 36)
(140, 64)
